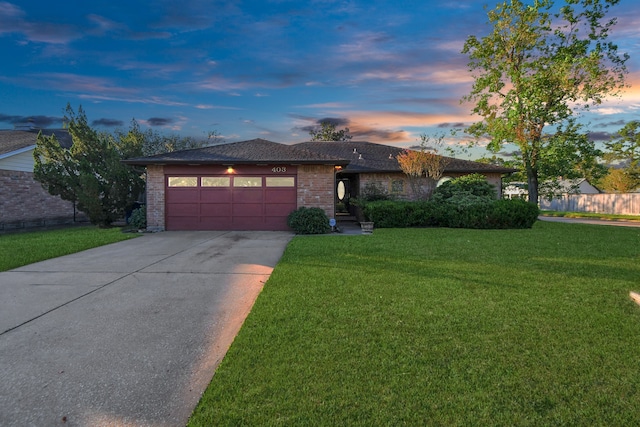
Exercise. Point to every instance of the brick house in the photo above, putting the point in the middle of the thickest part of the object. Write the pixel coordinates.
(255, 184)
(24, 203)
(377, 164)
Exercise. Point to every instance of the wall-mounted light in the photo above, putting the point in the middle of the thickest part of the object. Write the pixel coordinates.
(230, 169)
(338, 168)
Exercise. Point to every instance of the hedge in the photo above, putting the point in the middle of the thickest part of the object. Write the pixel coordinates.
(464, 211)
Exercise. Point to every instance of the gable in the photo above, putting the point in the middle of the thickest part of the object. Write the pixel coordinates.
(19, 160)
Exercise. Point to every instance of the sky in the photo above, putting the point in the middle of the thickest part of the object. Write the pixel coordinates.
(272, 69)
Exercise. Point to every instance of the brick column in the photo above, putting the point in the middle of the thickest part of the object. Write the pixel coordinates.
(155, 198)
(316, 187)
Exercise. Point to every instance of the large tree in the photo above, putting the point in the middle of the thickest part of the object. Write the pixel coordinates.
(538, 66)
(89, 173)
(328, 132)
(625, 148)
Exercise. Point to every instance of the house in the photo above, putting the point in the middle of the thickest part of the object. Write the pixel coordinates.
(255, 184)
(24, 202)
(377, 164)
(552, 188)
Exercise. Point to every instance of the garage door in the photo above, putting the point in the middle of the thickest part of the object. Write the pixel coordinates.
(251, 201)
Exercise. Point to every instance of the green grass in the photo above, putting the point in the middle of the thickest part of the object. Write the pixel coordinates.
(440, 327)
(609, 217)
(21, 249)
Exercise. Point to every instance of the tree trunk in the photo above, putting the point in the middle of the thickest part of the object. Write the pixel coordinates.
(532, 181)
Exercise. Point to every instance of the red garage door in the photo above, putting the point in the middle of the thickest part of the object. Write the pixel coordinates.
(257, 199)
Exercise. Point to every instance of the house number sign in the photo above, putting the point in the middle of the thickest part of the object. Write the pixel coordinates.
(279, 169)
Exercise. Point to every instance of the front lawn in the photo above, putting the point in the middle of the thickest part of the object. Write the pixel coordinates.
(25, 248)
(440, 327)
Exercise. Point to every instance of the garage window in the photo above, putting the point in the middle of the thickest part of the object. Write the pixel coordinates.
(183, 181)
(281, 181)
(212, 181)
(247, 181)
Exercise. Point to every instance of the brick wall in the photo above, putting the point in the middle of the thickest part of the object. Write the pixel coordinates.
(316, 187)
(24, 203)
(155, 198)
(385, 181)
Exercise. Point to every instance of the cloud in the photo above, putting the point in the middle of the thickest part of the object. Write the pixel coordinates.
(13, 21)
(41, 122)
(457, 125)
(159, 121)
(599, 136)
(107, 122)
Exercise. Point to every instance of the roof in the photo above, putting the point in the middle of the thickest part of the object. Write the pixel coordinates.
(19, 140)
(370, 157)
(253, 151)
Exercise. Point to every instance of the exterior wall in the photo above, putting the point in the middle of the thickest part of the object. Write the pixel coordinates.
(316, 187)
(155, 198)
(22, 161)
(390, 182)
(386, 181)
(25, 204)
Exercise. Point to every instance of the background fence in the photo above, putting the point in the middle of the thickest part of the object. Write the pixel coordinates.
(621, 204)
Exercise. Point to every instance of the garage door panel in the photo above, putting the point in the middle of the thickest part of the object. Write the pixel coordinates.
(248, 195)
(216, 195)
(285, 195)
(208, 209)
(185, 209)
(279, 209)
(181, 195)
(248, 209)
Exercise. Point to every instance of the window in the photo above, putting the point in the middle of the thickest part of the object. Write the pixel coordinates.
(216, 181)
(397, 186)
(183, 181)
(281, 181)
(247, 181)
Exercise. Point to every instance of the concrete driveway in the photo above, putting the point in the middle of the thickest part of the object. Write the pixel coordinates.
(127, 334)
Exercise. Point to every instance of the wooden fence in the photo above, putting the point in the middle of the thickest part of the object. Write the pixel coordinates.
(621, 204)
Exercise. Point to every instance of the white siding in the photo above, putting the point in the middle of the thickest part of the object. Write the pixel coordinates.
(22, 162)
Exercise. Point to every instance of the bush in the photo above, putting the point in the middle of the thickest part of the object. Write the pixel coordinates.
(138, 218)
(309, 221)
(389, 214)
(460, 211)
(516, 213)
(474, 184)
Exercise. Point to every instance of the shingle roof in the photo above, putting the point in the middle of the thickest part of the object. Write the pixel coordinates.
(13, 140)
(244, 152)
(370, 157)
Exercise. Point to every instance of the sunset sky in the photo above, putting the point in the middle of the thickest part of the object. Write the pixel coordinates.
(387, 70)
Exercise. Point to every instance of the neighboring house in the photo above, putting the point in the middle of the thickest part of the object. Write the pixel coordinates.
(24, 202)
(557, 188)
(254, 185)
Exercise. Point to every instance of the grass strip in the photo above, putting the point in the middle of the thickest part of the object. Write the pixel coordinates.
(608, 217)
(440, 327)
(25, 248)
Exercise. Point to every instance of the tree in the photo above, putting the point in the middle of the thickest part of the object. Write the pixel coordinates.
(626, 148)
(618, 181)
(424, 168)
(328, 132)
(536, 66)
(149, 142)
(90, 173)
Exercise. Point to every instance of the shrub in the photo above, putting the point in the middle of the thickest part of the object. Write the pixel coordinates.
(309, 221)
(138, 218)
(516, 213)
(401, 214)
(466, 210)
(474, 184)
